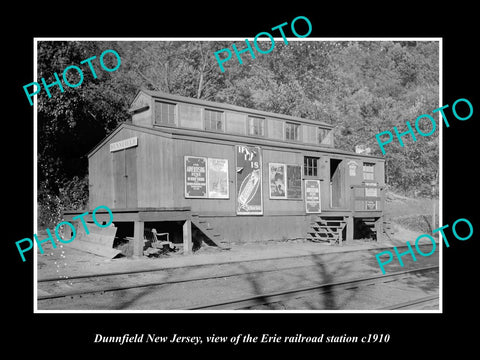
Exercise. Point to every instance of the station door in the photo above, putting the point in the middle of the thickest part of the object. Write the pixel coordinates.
(337, 184)
(125, 178)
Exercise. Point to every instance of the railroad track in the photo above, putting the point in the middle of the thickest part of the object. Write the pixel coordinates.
(77, 288)
(411, 304)
(109, 288)
(285, 295)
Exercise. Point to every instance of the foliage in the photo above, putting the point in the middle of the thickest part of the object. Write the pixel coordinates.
(73, 195)
(362, 88)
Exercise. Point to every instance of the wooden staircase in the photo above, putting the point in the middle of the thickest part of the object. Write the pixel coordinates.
(208, 230)
(326, 229)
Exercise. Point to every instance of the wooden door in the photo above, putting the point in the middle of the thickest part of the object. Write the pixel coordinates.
(125, 178)
(131, 177)
(337, 183)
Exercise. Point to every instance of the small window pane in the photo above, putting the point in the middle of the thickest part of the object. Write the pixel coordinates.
(165, 113)
(292, 131)
(310, 166)
(368, 171)
(213, 120)
(322, 133)
(256, 126)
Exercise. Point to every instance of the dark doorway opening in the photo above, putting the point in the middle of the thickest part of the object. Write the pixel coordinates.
(364, 229)
(336, 184)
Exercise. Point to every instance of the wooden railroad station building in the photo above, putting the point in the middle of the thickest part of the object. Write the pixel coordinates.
(230, 174)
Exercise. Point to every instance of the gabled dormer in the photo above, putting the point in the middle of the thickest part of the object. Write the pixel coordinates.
(157, 109)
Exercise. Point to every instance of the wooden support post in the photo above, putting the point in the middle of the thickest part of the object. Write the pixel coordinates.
(349, 228)
(187, 237)
(138, 240)
(379, 229)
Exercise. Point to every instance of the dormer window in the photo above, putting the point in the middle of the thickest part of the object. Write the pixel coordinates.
(165, 113)
(256, 126)
(292, 131)
(214, 120)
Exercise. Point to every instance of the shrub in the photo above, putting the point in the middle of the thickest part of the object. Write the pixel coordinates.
(72, 195)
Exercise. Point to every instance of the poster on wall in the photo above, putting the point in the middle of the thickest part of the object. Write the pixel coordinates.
(371, 189)
(218, 178)
(370, 205)
(294, 182)
(312, 196)
(352, 168)
(195, 177)
(277, 174)
(248, 180)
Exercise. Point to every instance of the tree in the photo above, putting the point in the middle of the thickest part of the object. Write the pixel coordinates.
(360, 87)
(72, 122)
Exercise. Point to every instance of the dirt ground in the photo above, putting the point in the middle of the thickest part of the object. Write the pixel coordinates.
(64, 261)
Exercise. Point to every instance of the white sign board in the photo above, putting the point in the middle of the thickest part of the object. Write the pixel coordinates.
(124, 144)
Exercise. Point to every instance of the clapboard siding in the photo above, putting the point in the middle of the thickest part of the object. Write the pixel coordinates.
(275, 129)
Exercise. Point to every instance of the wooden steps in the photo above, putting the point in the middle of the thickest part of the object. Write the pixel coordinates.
(388, 227)
(207, 229)
(326, 230)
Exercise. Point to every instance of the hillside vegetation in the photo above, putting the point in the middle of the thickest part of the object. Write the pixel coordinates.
(362, 88)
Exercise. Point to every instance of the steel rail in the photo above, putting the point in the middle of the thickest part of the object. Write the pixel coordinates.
(140, 271)
(163, 282)
(262, 299)
(407, 304)
(169, 282)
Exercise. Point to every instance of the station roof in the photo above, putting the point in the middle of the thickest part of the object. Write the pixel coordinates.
(224, 106)
(197, 135)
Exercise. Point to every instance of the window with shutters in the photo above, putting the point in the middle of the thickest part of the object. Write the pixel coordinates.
(165, 113)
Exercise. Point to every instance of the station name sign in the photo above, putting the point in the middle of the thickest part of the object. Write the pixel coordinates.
(124, 144)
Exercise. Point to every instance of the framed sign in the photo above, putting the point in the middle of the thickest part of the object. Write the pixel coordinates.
(312, 196)
(371, 189)
(195, 177)
(124, 144)
(248, 180)
(370, 205)
(218, 178)
(294, 182)
(276, 176)
(352, 168)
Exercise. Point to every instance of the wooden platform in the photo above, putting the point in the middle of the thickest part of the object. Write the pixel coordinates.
(135, 214)
(141, 215)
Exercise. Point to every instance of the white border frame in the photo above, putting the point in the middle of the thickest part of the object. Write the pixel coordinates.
(290, 39)
(260, 162)
(319, 197)
(284, 197)
(208, 178)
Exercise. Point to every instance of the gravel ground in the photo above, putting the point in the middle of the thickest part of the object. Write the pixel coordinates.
(65, 261)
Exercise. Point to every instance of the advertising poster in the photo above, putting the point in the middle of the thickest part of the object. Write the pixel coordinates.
(352, 168)
(371, 189)
(218, 178)
(80, 98)
(294, 182)
(312, 196)
(195, 177)
(249, 180)
(277, 181)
